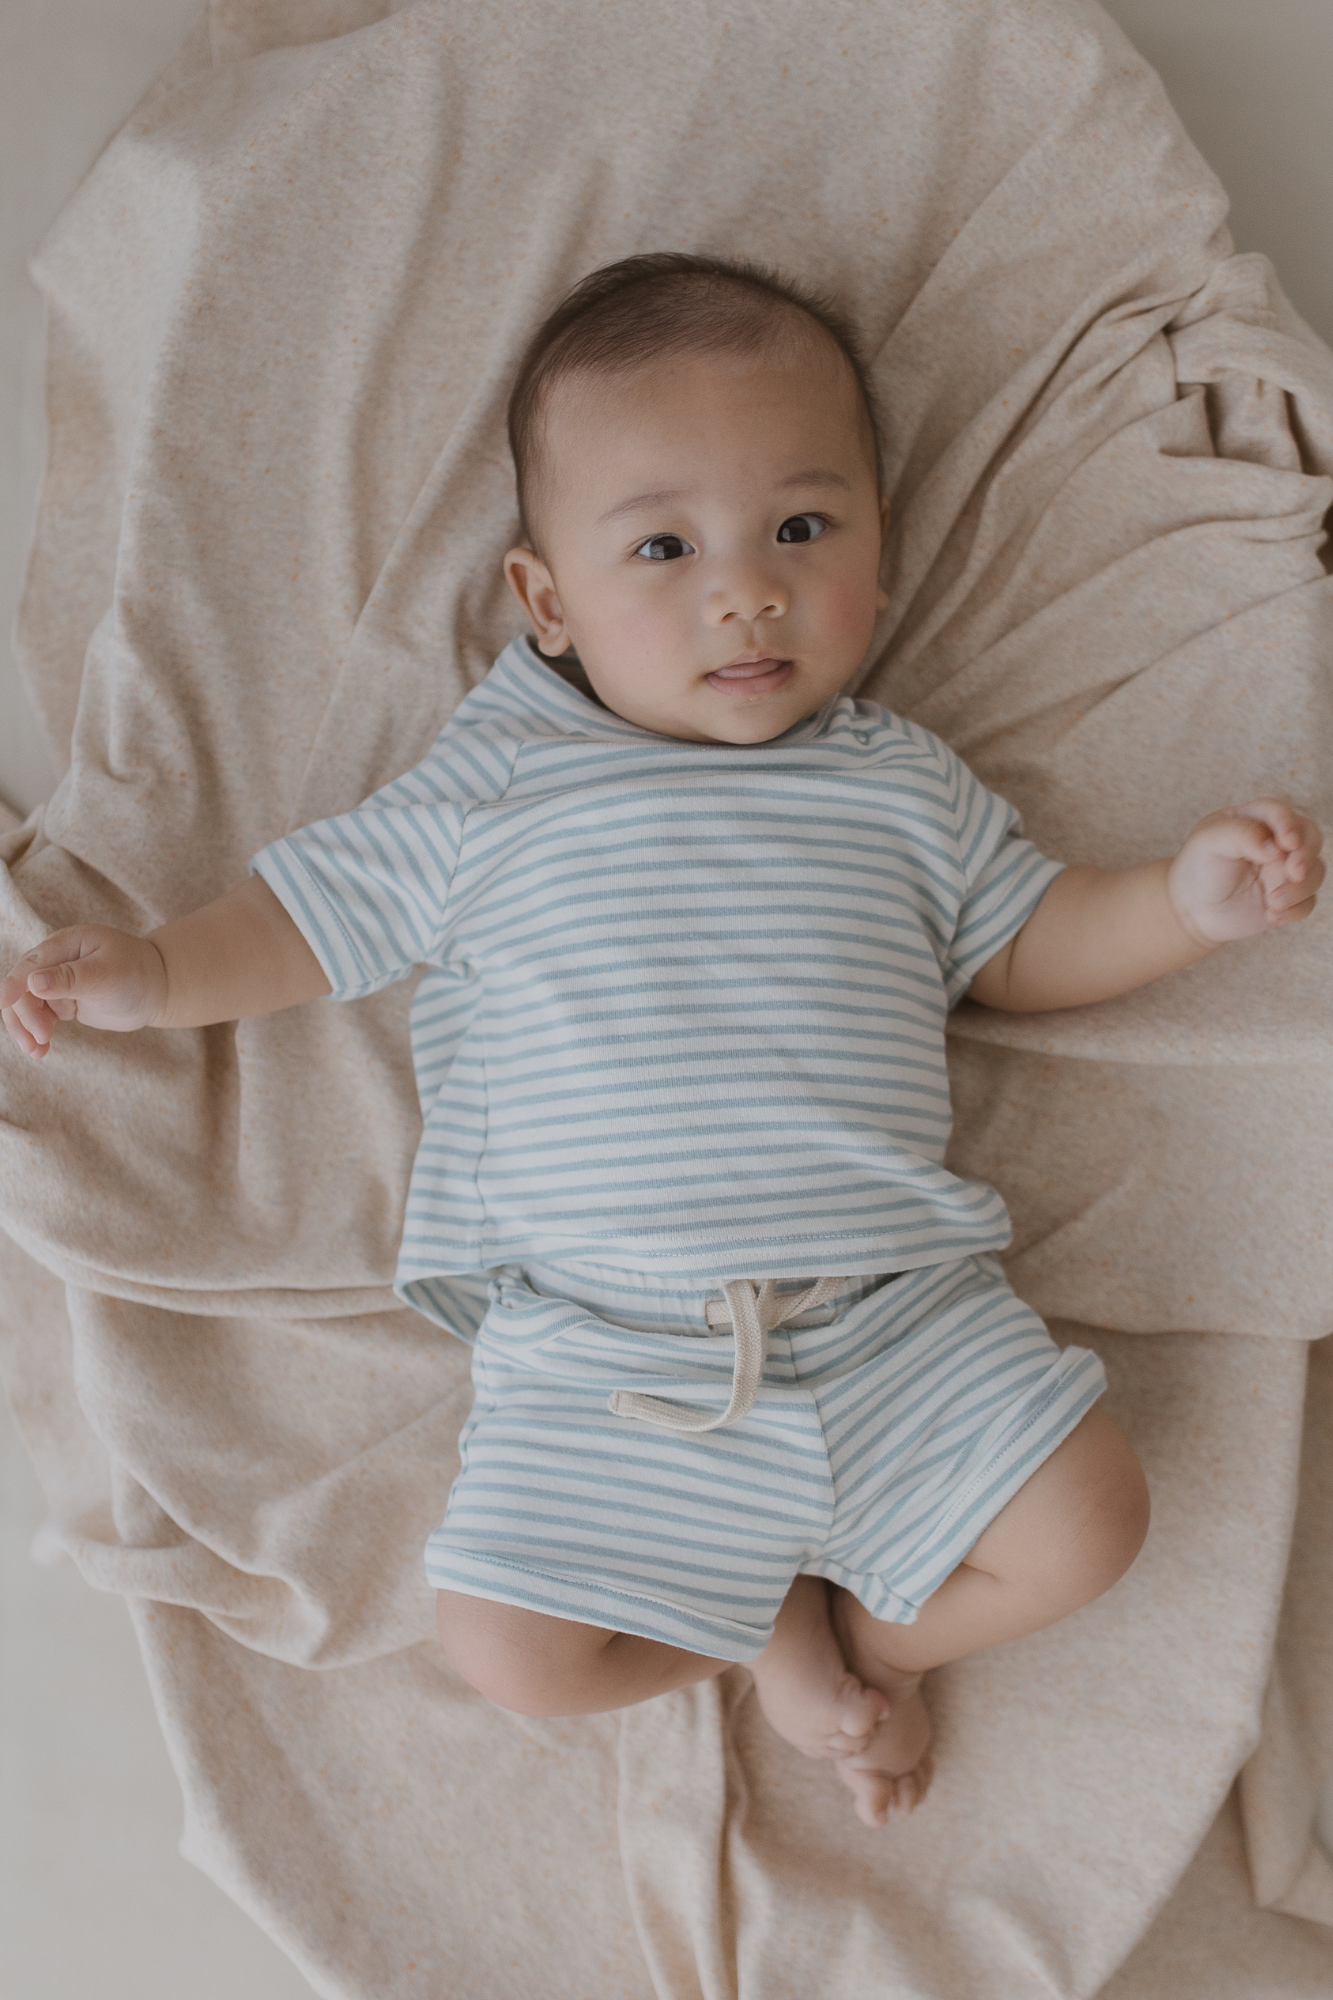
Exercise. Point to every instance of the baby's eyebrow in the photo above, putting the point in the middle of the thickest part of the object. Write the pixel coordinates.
(814, 475)
(636, 500)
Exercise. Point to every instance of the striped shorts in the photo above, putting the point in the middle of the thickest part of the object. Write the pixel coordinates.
(890, 1427)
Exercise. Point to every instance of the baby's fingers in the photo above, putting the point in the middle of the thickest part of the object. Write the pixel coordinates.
(1294, 838)
(69, 976)
(1240, 835)
(12, 986)
(1302, 856)
(57, 949)
(28, 1023)
(1278, 815)
(101, 977)
(1289, 902)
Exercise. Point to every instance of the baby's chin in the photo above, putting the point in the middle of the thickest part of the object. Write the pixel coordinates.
(750, 727)
(753, 730)
(729, 721)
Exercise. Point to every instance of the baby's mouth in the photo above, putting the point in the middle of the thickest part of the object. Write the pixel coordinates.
(749, 678)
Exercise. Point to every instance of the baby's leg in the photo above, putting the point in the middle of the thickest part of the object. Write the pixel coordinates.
(1065, 1537)
(538, 1665)
(803, 1682)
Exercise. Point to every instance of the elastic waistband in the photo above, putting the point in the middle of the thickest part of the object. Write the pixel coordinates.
(651, 1304)
(744, 1310)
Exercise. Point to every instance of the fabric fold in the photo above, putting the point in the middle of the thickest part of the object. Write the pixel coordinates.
(284, 310)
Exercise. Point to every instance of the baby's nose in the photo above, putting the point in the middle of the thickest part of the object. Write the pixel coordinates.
(746, 593)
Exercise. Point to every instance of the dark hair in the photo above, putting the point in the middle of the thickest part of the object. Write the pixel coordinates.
(668, 303)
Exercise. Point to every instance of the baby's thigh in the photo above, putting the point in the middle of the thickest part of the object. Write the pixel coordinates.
(1079, 1521)
(518, 1658)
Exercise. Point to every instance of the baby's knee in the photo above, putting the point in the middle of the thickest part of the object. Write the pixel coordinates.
(512, 1656)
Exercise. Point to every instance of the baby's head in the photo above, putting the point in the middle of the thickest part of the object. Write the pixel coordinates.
(698, 474)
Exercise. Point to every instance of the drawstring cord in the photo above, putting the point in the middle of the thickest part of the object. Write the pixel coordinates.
(752, 1311)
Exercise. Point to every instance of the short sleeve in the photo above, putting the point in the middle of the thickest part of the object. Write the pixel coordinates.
(1004, 876)
(369, 889)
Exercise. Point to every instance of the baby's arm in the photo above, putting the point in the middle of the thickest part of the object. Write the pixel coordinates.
(1102, 931)
(239, 956)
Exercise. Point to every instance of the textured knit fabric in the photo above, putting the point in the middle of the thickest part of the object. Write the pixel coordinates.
(284, 313)
(889, 1430)
(684, 1008)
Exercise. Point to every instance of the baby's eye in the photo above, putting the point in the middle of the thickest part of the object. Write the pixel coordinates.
(802, 528)
(664, 548)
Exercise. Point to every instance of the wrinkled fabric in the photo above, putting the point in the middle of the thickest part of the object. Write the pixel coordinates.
(284, 310)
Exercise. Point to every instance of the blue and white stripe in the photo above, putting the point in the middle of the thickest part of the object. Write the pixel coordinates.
(684, 1003)
(890, 1429)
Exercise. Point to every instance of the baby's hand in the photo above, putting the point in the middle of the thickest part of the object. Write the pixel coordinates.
(89, 973)
(1246, 870)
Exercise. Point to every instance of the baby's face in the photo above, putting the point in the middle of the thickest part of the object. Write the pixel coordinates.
(710, 531)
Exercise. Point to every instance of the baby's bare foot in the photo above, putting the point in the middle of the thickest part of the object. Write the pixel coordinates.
(893, 1772)
(803, 1684)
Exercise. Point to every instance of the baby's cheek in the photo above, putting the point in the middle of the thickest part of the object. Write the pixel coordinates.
(847, 611)
(637, 639)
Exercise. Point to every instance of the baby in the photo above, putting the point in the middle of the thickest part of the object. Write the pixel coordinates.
(750, 1383)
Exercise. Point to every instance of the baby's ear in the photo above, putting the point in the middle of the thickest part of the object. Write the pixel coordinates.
(518, 564)
(534, 587)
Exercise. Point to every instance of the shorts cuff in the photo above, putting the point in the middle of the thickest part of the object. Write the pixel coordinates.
(878, 1598)
(589, 1601)
(1036, 1428)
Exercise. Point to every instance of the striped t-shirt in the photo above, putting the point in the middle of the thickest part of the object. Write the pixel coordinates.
(684, 1003)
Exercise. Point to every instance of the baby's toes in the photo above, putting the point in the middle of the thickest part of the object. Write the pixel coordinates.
(873, 1793)
(876, 1794)
(858, 1711)
(839, 1744)
(912, 1788)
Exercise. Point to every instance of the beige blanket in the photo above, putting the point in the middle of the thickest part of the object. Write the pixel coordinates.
(284, 309)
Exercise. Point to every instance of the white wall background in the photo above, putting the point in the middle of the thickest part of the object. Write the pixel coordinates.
(98, 1901)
